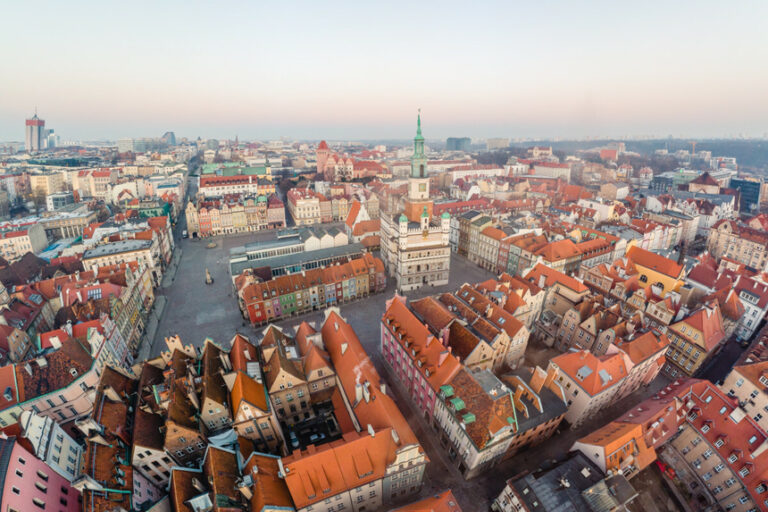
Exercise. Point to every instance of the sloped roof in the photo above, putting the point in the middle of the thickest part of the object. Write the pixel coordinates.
(644, 346)
(443, 502)
(559, 250)
(592, 373)
(247, 389)
(706, 320)
(654, 262)
(552, 277)
(269, 489)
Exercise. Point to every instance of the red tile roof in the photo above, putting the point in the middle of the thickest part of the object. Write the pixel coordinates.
(551, 277)
(585, 369)
(654, 262)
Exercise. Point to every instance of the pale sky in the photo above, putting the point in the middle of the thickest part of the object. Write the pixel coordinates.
(359, 70)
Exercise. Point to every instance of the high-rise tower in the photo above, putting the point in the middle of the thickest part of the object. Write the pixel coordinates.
(35, 134)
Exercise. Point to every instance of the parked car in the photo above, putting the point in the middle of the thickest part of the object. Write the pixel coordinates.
(184, 234)
(294, 439)
(316, 437)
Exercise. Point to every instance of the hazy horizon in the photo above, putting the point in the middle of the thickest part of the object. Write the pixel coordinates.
(359, 72)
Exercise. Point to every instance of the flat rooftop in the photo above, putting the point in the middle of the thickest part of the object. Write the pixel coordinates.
(117, 248)
(236, 267)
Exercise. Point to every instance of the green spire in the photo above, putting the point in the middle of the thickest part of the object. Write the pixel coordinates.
(418, 126)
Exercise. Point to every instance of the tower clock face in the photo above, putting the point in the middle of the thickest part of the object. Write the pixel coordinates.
(422, 187)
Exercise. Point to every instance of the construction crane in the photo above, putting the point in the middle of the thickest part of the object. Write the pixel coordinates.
(693, 147)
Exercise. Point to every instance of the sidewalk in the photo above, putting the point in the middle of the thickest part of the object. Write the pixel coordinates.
(173, 266)
(148, 341)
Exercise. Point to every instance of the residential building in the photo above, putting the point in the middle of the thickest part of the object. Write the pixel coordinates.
(28, 482)
(747, 383)
(59, 385)
(124, 251)
(52, 444)
(719, 453)
(17, 242)
(574, 483)
(740, 243)
(378, 458)
(107, 480)
(253, 416)
(590, 382)
(442, 502)
(234, 214)
(251, 184)
(420, 361)
(693, 341)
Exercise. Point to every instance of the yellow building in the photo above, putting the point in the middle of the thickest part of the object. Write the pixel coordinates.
(655, 270)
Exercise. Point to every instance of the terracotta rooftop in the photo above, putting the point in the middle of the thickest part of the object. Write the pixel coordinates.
(353, 367)
(644, 346)
(654, 262)
(269, 489)
(545, 277)
(443, 502)
(592, 373)
(493, 409)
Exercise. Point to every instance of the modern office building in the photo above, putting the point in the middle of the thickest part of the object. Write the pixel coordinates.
(749, 192)
(35, 134)
(458, 143)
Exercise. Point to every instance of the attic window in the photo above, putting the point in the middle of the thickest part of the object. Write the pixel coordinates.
(8, 393)
(73, 372)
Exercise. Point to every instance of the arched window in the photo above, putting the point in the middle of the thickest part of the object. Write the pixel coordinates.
(421, 170)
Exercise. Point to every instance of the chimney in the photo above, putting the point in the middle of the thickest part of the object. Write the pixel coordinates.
(343, 348)
(551, 374)
(538, 378)
(542, 281)
(383, 388)
(370, 431)
(442, 357)
(367, 391)
(358, 393)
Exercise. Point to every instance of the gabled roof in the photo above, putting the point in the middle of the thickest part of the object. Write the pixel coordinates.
(654, 262)
(592, 373)
(644, 346)
(353, 367)
(242, 353)
(269, 489)
(708, 321)
(247, 389)
(552, 277)
(560, 250)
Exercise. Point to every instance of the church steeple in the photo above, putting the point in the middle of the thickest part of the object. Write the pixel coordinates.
(418, 160)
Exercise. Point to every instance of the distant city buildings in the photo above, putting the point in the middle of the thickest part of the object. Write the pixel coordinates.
(458, 144)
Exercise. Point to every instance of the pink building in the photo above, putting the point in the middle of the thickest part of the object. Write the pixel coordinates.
(30, 484)
(418, 360)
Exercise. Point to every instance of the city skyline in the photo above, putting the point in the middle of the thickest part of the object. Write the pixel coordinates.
(353, 72)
